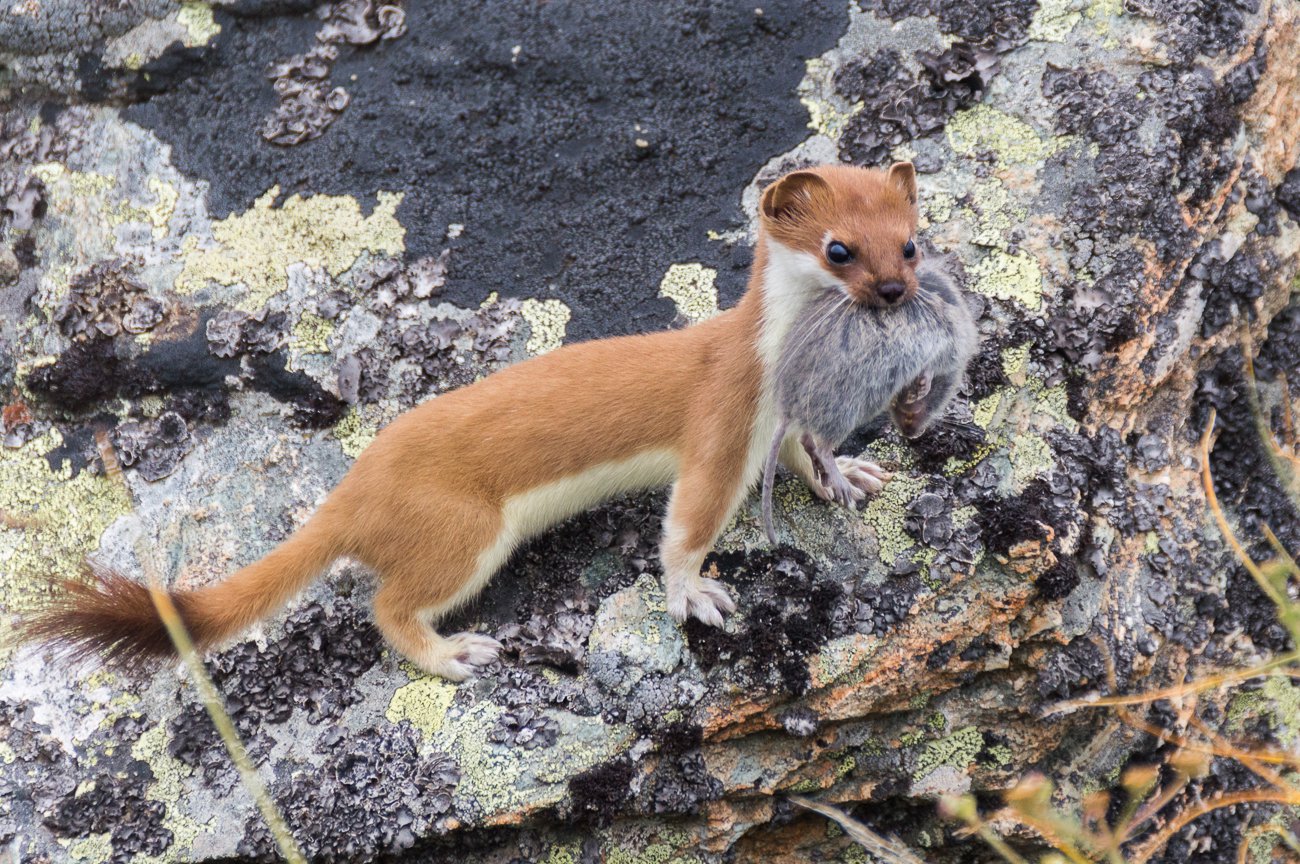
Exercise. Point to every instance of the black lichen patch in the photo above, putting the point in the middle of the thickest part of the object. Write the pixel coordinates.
(381, 796)
(524, 729)
(154, 448)
(313, 666)
(1060, 580)
(1005, 522)
(83, 376)
(39, 777)
(788, 615)
(999, 23)
(535, 152)
(1245, 480)
(544, 605)
(682, 783)
(944, 441)
(1069, 670)
(879, 607)
(599, 794)
(1288, 193)
(106, 300)
(314, 407)
(1217, 835)
(116, 804)
(189, 372)
(1210, 27)
(939, 657)
(900, 106)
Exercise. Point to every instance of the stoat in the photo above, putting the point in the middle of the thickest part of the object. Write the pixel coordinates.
(437, 503)
(844, 364)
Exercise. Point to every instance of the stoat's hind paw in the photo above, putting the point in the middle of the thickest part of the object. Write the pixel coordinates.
(862, 478)
(705, 599)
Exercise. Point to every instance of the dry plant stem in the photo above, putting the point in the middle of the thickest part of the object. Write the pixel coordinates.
(1255, 761)
(884, 849)
(1207, 480)
(1284, 836)
(1199, 686)
(1156, 841)
(1284, 463)
(207, 690)
(995, 841)
(1280, 550)
(1055, 831)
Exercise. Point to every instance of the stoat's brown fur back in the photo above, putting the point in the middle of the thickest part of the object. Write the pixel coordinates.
(438, 501)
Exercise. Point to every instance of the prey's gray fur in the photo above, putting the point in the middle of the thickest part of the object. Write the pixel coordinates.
(843, 365)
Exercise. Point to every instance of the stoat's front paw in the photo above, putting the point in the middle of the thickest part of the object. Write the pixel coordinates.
(705, 599)
(465, 654)
(860, 478)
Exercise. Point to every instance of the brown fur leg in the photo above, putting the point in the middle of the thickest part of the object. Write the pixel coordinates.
(432, 576)
(701, 504)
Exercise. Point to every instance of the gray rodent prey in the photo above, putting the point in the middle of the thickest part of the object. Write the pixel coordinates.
(844, 364)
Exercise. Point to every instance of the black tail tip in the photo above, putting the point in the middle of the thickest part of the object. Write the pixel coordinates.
(104, 615)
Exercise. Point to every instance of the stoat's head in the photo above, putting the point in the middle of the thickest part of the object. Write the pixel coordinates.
(856, 225)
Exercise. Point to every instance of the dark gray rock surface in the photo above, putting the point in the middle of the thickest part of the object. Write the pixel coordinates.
(1116, 183)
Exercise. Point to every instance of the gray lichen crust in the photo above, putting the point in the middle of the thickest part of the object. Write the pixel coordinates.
(1116, 183)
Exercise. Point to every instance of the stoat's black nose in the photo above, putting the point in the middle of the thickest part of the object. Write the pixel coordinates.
(891, 292)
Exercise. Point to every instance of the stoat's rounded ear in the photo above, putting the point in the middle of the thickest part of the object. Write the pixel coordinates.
(902, 176)
(791, 195)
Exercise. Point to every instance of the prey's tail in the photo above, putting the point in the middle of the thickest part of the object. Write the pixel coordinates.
(110, 615)
(769, 477)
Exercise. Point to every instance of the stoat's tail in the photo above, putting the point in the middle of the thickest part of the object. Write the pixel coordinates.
(769, 477)
(108, 614)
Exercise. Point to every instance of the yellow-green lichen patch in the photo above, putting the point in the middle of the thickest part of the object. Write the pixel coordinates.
(547, 321)
(828, 114)
(958, 750)
(790, 496)
(58, 517)
(654, 853)
(64, 186)
(1031, 457)
(160, 212)
(1009, 276)
(496, 778)
(1015, 363)
(256, 247)
(1103, 14)
(937, 207)
(1278, 699)
(198, 22)
(1012, 141)
(564, 853)
(93, 848)
(887, 512)
(311, 334)
(1000, 755)
(691, 287)
(992, 214)
(355, 431)
(424, 702)
(151, 748)
(983, 411)
(1054, 20)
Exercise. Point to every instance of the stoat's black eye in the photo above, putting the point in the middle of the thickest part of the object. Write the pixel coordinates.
(838, 253)
(909, 250)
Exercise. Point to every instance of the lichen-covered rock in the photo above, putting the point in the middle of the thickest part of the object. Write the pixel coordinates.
(240, 295)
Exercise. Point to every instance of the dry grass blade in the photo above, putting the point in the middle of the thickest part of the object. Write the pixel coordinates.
(885, 850)
(207, 690)
(1200, 685)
